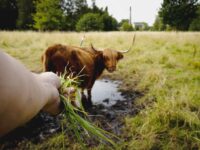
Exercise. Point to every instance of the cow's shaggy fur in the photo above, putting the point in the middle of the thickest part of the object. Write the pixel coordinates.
(86, 63)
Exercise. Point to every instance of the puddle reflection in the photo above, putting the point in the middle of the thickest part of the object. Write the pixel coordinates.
(106, 92)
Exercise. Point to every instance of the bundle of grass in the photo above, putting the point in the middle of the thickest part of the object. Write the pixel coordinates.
(76, 117)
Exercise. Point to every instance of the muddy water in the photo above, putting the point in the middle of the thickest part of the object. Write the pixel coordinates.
(110, 108)
(106, 92)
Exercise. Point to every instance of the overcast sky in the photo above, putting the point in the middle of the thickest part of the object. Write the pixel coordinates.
(142, 10)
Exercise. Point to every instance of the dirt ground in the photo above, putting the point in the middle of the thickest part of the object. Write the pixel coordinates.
(110, 118)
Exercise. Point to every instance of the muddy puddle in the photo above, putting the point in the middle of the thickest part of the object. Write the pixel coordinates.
(106, 92)
(109, 109)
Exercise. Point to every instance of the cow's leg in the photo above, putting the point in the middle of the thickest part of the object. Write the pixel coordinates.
(89, 96)
(83, 96)
(83, 99)
(86, 101)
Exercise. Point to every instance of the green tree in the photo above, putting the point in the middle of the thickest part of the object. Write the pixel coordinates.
(122, 22)
(73, 10)
(8, 14)
(90, 22)
(195, 25)
(81, 6)
(109, 23)
(69, 19)
(126, 26)
(178, 13)
(96, 9)
(158, 24)
(25, 10)
(49, 15)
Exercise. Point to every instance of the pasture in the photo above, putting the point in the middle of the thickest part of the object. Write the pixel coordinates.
(164, 67)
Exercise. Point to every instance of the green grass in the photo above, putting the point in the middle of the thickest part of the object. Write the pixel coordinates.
(81, 127)
(169, 74)
(164, 66)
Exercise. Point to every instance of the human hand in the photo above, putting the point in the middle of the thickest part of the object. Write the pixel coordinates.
(70, 94)
(51, 83)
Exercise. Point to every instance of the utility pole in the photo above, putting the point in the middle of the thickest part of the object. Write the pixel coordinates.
(130, 19)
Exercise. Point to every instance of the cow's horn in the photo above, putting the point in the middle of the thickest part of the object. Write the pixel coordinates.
(82, 40)
(125, 51)
(94, 49)
(91, 45)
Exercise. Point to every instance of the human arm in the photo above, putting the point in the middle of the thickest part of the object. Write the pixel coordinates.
(23, 94)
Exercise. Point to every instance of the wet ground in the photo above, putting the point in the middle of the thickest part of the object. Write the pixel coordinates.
(106, 92)
(109, 110)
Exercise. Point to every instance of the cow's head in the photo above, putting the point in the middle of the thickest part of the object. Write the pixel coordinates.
(111, 57)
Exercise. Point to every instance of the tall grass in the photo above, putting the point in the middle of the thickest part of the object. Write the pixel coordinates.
(164, 66)
(169, 73)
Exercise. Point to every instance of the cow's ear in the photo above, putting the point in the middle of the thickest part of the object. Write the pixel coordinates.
(120, 56)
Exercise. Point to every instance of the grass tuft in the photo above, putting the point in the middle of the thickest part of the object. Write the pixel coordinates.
(80, 125)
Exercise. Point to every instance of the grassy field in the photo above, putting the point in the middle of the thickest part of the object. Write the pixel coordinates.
(165, 67)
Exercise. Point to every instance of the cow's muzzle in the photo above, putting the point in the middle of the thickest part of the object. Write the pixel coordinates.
(111, 69)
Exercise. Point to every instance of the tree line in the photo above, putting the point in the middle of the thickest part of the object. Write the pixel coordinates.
(66, 15)
(76, 15)
(179, 15)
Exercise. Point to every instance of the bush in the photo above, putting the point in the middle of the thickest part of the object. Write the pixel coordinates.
(110, 23)
(126, 27)
(90, 22)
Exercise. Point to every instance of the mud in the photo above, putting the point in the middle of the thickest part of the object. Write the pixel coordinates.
(109, 110)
